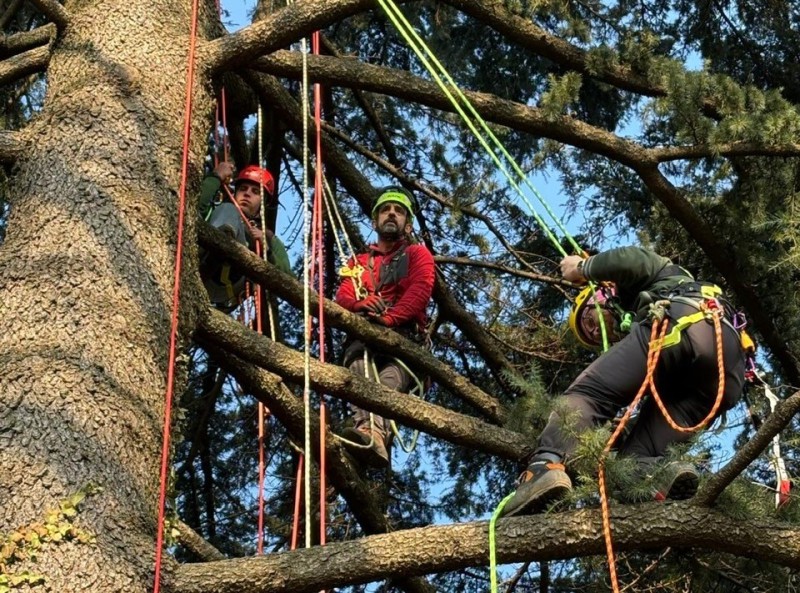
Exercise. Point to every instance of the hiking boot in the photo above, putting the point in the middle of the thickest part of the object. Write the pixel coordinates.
(542, 483)
(371, 455)
(678, 480)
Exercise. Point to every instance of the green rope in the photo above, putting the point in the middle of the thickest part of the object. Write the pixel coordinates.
(493, 543)
(385, 4)
(407, 31)
(418, 45)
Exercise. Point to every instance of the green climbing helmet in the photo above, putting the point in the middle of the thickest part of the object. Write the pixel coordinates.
(396, 194)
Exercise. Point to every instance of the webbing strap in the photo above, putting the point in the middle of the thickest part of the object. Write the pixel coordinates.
(674, 336)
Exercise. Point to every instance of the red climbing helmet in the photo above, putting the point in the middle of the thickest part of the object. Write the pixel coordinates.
(257, 175)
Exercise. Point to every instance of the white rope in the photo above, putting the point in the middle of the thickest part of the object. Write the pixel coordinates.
(306, 306)
(337, 225)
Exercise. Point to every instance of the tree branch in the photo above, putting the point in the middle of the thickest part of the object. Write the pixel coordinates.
(288, 409)
(775, 422)
(642, 161)
(196, 543)
(54, 12)
(452, 547)
(12, 145)
(352, 73)
(278, 30)
(466, 261)
(15, 67)
(733, 149)
(20, 42)
(221, 330)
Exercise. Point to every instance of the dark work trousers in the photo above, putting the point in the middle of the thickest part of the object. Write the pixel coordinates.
(687, 379)
(390, 374)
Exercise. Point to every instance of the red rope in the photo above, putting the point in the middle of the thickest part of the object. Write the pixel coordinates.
(320, 257)
(263, 413)
(176, 291)
(656, 343)
(216, 135)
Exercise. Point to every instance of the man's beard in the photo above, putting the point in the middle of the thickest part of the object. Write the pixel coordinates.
(392, 233)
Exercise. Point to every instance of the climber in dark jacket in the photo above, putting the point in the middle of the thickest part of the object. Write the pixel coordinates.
(686, 378)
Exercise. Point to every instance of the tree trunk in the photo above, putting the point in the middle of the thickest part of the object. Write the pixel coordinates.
(86, 276)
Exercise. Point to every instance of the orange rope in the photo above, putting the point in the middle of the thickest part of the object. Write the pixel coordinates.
(176, 291)
(657, 335)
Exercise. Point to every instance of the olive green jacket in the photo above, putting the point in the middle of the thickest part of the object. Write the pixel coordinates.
(639, 275)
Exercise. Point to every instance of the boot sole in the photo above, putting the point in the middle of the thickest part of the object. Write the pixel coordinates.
(684, 486)
(554, 485)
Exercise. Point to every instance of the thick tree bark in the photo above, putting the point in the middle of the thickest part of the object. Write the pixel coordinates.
(15, 67)
(450, 547)
(86, 275)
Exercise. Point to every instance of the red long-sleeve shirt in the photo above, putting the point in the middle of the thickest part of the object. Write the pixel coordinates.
(408, 293)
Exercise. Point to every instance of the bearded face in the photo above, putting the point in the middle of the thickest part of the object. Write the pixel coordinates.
(391, 222)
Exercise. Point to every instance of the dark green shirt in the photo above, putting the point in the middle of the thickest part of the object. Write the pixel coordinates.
(211, 186)
(638, 274)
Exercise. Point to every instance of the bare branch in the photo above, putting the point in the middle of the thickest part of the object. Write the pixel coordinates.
(542, 537)
(12, 145)
(54, 12)
(674, 153)
(14, 68)
(339, 382)
(466, 261)
(20, 42)
(195, 542)
(278, 30)
(352, 73)
(775, 422)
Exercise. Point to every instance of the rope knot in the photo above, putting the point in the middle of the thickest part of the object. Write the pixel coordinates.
(658, 310)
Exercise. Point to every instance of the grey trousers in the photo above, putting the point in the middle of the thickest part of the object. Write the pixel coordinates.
(390, 374)
(686, 379)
